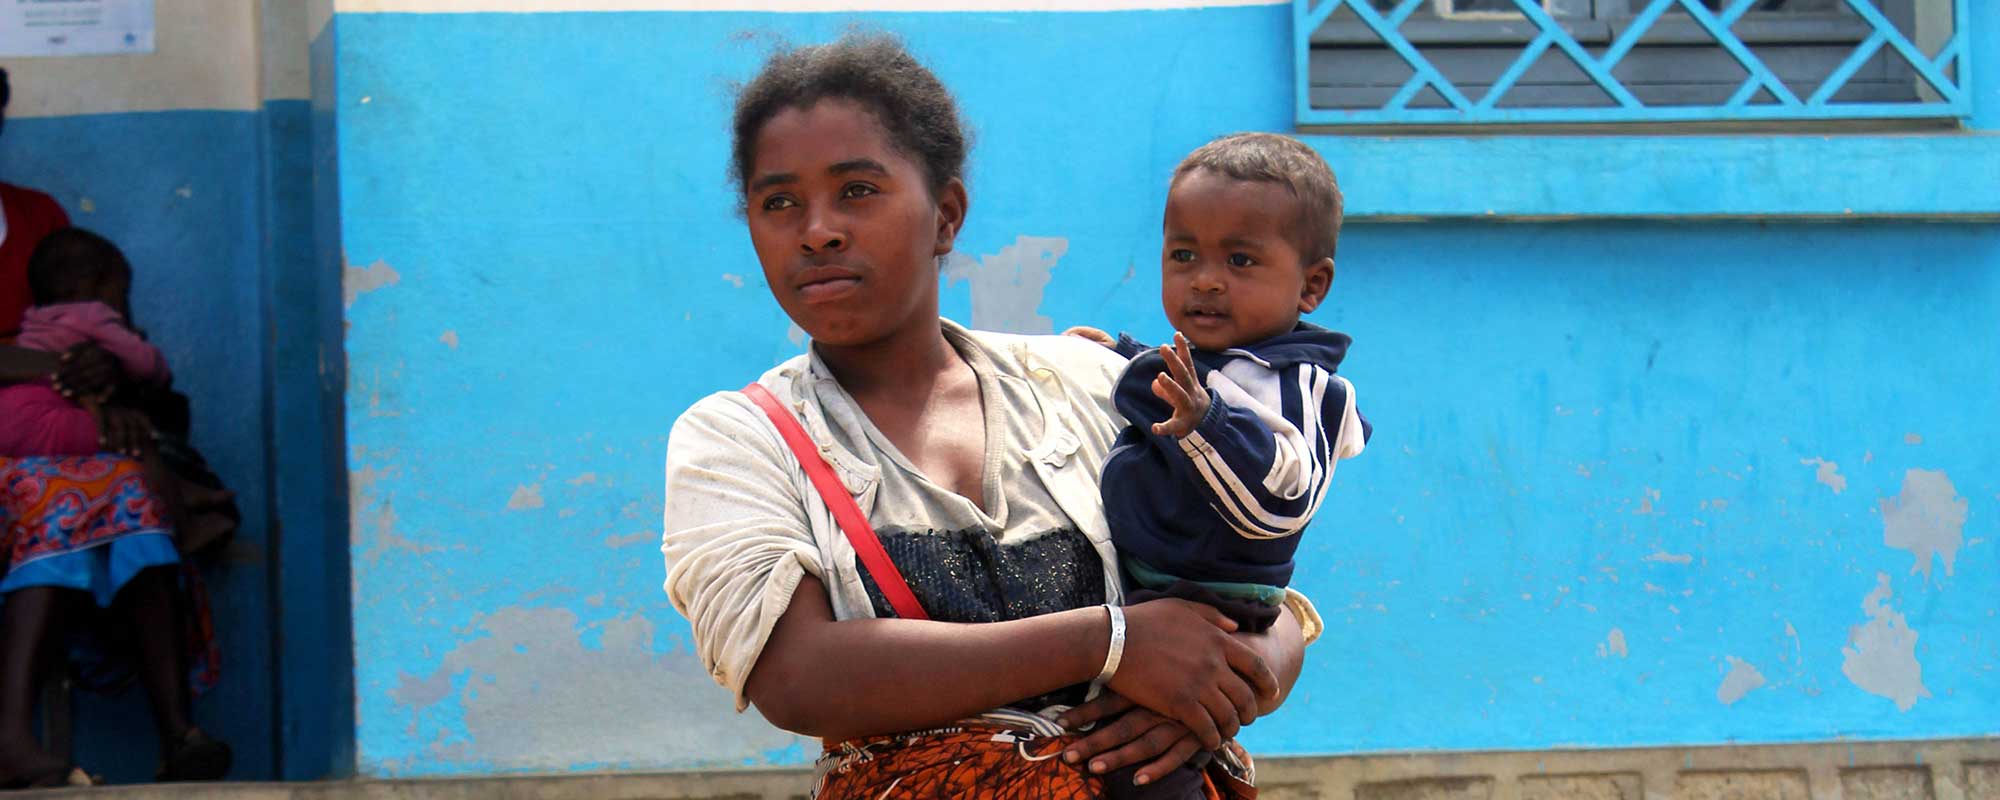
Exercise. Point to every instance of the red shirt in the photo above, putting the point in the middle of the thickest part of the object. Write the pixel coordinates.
(31, 215)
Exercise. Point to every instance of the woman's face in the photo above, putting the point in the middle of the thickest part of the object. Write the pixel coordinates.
(845, 224)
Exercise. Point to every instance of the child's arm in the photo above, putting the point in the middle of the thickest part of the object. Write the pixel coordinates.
(141, 360)
(1123, 344)
(1264, 468)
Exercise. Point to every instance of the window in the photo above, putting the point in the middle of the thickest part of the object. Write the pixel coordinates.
(1581, 61)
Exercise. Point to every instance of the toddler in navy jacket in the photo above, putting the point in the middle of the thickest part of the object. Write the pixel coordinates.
(1233, 441)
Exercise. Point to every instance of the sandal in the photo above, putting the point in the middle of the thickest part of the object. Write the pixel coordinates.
(55, 778)
(196, 758)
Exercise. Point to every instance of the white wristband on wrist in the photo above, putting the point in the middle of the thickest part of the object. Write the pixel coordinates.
(1116, 652)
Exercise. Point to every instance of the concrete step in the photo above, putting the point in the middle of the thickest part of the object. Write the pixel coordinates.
(1949, 769)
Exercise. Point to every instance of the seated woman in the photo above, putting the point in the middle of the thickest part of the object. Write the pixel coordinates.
(86, 528)
(81, 287)
(969, 461)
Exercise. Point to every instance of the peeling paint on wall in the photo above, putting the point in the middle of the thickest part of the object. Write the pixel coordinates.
(525, 498)
(1881, 656)
(1927, 518)
(418, 693)
(450, 339)
(1743, 678)
(1663, 557)
(1007, 286)
(632, 538)
(1647, 500)
(356, 282)
(1613, 645)
(375, 517)
(534, 697)
(1828, 473)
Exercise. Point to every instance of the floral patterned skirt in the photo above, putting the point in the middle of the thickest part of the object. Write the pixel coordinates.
(56, 505)
(969, 760)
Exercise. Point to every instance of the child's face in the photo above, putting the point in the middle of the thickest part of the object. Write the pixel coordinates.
(1229, 274)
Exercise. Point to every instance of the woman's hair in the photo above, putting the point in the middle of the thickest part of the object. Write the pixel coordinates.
(70, 263)
(873, 70)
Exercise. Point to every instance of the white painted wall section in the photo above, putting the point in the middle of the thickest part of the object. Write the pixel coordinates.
(227, 55)
(535, 6)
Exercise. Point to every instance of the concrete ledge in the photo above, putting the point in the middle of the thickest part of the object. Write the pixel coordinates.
(1939, 176)
(1956, 769)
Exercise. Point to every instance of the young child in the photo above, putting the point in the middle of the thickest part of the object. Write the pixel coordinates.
(1234, 441)
(81, 288)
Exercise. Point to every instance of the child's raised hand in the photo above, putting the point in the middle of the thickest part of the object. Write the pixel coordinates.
(1181, 389)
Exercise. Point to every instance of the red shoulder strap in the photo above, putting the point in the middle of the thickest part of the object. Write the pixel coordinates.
(852, 522)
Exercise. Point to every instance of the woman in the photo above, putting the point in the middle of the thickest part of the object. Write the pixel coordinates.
(80, 531)
(974, 458)
(26, 216)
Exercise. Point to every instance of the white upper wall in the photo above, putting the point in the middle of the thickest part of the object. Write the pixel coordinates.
(208, 54)
(317, 14)
(529, 6)
(285, 30)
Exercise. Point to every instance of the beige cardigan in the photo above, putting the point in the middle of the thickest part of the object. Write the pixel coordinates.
(743, 524)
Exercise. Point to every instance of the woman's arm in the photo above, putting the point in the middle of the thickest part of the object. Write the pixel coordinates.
(843, 679)
(743, 567)
(20, 365)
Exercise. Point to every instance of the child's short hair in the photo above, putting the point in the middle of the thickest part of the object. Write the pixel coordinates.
(69, 262)
(1283, 160)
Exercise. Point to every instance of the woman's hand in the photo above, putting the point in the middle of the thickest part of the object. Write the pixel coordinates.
(1181, 661)
(88, 372)
(1134, 735)
(1093, 334)
(1138, 735)
(123, 430)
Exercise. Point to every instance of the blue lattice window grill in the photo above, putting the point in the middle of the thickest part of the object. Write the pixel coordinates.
(1446, 62)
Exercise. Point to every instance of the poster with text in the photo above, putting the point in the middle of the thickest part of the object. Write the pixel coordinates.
(75, 27)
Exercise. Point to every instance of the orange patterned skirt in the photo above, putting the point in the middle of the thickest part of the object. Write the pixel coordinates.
(969, 760)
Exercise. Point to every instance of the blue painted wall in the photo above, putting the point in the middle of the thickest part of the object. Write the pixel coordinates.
(1599, 509)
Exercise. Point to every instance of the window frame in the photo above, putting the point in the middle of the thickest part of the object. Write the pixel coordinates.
(1744, 28)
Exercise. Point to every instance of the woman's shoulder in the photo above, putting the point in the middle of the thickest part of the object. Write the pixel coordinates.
(723, 417)
(25, 202)
(1071, 358)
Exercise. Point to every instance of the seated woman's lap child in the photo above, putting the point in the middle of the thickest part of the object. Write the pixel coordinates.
(83, 523)
(81, 292)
